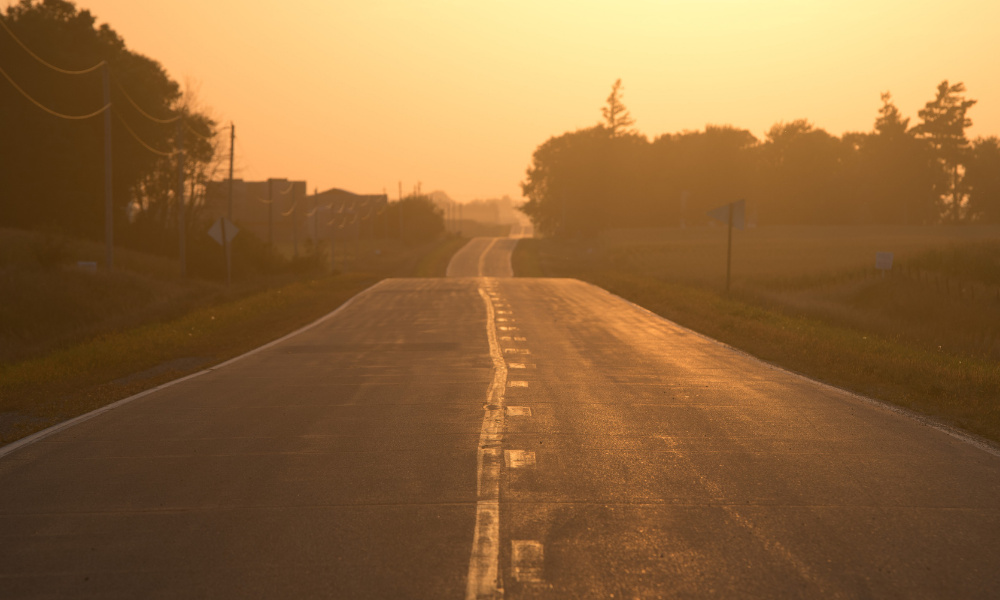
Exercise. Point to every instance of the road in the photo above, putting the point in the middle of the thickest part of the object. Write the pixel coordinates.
(483, 257)
(499, 437)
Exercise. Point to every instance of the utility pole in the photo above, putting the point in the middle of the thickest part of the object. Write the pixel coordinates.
(295, 230)
(180, 198)
(316, 218)
(729, 246)
(333, 240)
(109, 220)
(270, 215)
(400, 211)
(229, 211)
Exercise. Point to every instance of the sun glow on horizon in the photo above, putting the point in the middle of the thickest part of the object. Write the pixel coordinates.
(457, 95)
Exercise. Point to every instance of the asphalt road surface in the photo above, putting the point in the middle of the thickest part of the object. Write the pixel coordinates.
(499, 437)
(483, 256)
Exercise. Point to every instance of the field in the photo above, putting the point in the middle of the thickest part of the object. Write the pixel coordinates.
(73, 340)
(927, 336)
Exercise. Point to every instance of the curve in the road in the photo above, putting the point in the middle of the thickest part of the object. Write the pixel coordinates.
(483, 257)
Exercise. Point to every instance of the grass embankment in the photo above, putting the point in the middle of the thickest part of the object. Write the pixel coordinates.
(905, 340)
(116, 348)
(435, 262)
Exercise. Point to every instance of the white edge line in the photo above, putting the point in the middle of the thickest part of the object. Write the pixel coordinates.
(31, 439)
(983, 444)
(451, 261)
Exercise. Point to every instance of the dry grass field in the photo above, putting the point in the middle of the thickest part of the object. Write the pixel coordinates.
(765, 254)
(73, 340)
(926, 336)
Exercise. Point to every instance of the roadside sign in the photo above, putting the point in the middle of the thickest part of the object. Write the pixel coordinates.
(883, 261)
(734, 215)
(216, 230)
(739, 214)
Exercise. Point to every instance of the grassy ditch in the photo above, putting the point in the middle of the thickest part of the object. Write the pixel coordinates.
(435, 262)
(164, 328)
(900, 339)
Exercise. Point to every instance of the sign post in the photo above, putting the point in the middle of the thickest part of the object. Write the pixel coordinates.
(734, 215)
(223, 231)
(883, 262)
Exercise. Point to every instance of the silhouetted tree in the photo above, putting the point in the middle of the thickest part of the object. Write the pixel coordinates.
(617, 119)
(893, 174)
(983, 177)
(584, 181)
(423, 220)
(714, 166)
(800, 173)
(53, 170)
(943, 126)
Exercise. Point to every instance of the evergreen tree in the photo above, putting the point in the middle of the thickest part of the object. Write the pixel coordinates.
(983, 176)
(943, 126)
(617, 119)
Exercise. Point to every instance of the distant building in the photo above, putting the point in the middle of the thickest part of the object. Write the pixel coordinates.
(346, 215)
(271, 208)
(283, 211)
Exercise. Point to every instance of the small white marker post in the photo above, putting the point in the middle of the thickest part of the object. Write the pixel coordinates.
(883, 262)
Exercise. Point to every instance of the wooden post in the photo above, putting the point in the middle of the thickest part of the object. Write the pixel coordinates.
(229, 211)
(182, 254)
(729, 246)
(109, 219)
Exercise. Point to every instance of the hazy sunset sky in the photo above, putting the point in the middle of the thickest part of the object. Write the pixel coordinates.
(457, 95)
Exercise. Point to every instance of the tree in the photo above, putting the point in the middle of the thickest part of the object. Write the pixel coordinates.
(152, 212)
(714, 167)
(423, 220)
(943, 126)
(53, 169)
(617, 119)
(801, 175)
(983, 177)
(584, 181)
(606, 176)
(892, 174)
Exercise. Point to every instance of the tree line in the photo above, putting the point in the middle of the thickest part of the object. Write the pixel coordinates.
(53, 169)
(610, 175)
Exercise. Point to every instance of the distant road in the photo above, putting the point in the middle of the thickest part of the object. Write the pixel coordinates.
(483, 257)
(499, 437)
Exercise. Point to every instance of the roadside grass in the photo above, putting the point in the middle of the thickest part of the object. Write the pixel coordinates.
(900, 340)
(524, 259)
(435, 262)
(139, 347)
(766, 254)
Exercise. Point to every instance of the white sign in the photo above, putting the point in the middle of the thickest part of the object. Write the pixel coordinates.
(883, 260)
(216, 230)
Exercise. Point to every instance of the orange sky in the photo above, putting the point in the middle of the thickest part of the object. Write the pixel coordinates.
(457, 95)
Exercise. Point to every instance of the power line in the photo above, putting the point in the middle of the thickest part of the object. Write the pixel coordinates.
(204, 137)
(138, 139)
(47, 64)
(291, 210)
(142, 112)
(47, 109)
